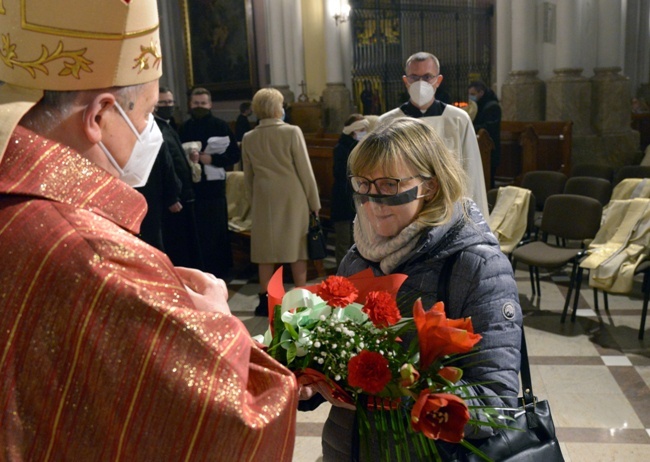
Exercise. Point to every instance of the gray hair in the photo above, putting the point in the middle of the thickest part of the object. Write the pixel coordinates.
(419, 57)
(55, 106)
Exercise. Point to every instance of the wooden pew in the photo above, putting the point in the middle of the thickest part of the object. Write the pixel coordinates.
(529, 146)
(485, 146)
(321, 153)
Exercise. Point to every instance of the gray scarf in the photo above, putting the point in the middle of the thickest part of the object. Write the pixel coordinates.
(388, 251)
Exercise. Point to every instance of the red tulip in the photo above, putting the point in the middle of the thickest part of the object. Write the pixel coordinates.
(440, 416)
(439, 336)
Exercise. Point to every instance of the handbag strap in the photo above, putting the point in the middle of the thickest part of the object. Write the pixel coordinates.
(444, 282)
(524, 370)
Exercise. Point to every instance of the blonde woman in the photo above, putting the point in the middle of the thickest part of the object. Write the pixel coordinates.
(413, 217)
(281, 184)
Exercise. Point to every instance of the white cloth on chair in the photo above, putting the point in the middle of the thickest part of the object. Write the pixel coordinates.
(622, 242)
(509, 218)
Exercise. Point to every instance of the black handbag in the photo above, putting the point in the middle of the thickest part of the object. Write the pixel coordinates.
(316, 246)
(531, 437)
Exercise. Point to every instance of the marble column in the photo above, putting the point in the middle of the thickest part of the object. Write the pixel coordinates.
(336, 96)
(277, 57)
(523, 94)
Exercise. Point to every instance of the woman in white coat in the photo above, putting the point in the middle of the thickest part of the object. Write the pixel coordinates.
(283, 191)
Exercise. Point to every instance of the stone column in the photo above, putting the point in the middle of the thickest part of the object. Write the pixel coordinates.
(523, 93)
(643, 90)
(504, 43)
(275, 28)
(336, 97)
(611, 91)
(568, 93)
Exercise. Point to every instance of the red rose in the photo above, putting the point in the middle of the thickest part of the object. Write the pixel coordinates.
(337, 291)
(369, 371)
(382, 309)
(440, 416)
(439, 336)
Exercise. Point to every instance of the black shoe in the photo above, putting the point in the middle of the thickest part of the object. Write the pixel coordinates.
(263, 307)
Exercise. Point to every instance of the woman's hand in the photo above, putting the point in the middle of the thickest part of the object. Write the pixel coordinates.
(206, 291)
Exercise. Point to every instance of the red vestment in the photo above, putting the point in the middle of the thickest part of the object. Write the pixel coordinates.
(102, 356)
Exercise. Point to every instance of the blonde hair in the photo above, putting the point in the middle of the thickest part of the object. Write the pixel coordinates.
(411, 142)
(267, 103)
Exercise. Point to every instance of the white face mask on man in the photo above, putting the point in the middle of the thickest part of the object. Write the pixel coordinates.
(137, 169)
(421, 93)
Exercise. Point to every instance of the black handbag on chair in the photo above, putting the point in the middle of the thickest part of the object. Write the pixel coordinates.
(531, 437)
(316, 246)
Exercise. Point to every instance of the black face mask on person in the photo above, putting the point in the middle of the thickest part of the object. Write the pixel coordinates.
(165, 112)
(199, 112)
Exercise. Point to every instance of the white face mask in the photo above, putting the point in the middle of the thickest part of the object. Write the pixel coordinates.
(137, 169)
(421, 93)
(360, 135)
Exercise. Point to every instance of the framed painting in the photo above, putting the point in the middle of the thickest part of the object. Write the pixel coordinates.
(220, 47)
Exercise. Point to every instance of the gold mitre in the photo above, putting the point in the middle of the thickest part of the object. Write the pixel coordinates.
(79, 44)
(71, 45)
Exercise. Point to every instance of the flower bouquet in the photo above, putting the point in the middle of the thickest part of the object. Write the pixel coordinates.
(405, 392)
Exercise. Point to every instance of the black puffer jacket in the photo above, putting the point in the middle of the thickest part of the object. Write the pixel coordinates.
(481, 286)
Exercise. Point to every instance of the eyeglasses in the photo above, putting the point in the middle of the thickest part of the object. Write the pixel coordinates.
(166, 102)
(428, 78)
(384, 186)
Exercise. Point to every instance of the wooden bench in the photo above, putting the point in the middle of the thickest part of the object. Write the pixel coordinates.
(529, 146)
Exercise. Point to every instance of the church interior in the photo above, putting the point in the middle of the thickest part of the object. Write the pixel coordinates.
(573, 81)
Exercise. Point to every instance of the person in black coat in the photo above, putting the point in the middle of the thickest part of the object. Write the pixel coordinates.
(211, 205)
(342, 213)
(179, 231)
(489, 118)
(162, 192)
(242, 124)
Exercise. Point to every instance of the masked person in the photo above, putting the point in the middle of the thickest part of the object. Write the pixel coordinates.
(488, 116)
(355, 129)
(179, 231)
(219, 150)
(422, 78)
(107, 350)
(413, 219)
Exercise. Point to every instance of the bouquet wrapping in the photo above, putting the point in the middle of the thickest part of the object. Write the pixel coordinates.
(355, 355)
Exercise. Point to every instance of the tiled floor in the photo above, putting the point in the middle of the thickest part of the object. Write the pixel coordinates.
(594, 372)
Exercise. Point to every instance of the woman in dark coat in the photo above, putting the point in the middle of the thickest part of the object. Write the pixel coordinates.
(412, 218)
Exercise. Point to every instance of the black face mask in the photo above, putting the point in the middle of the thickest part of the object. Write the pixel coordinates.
(165, 112)
(397, 199)
(199, 112)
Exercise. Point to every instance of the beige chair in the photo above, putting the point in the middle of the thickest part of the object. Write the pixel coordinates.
(543, 184)
(598, 188)
(566, 216)
(619, 252)
(631, 171)
(593, 170)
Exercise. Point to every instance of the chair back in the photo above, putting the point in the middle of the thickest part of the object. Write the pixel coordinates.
(631, 171)
(543, 184)
(598, 188)
(593, 170)
(570, 216)
(492, 195)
